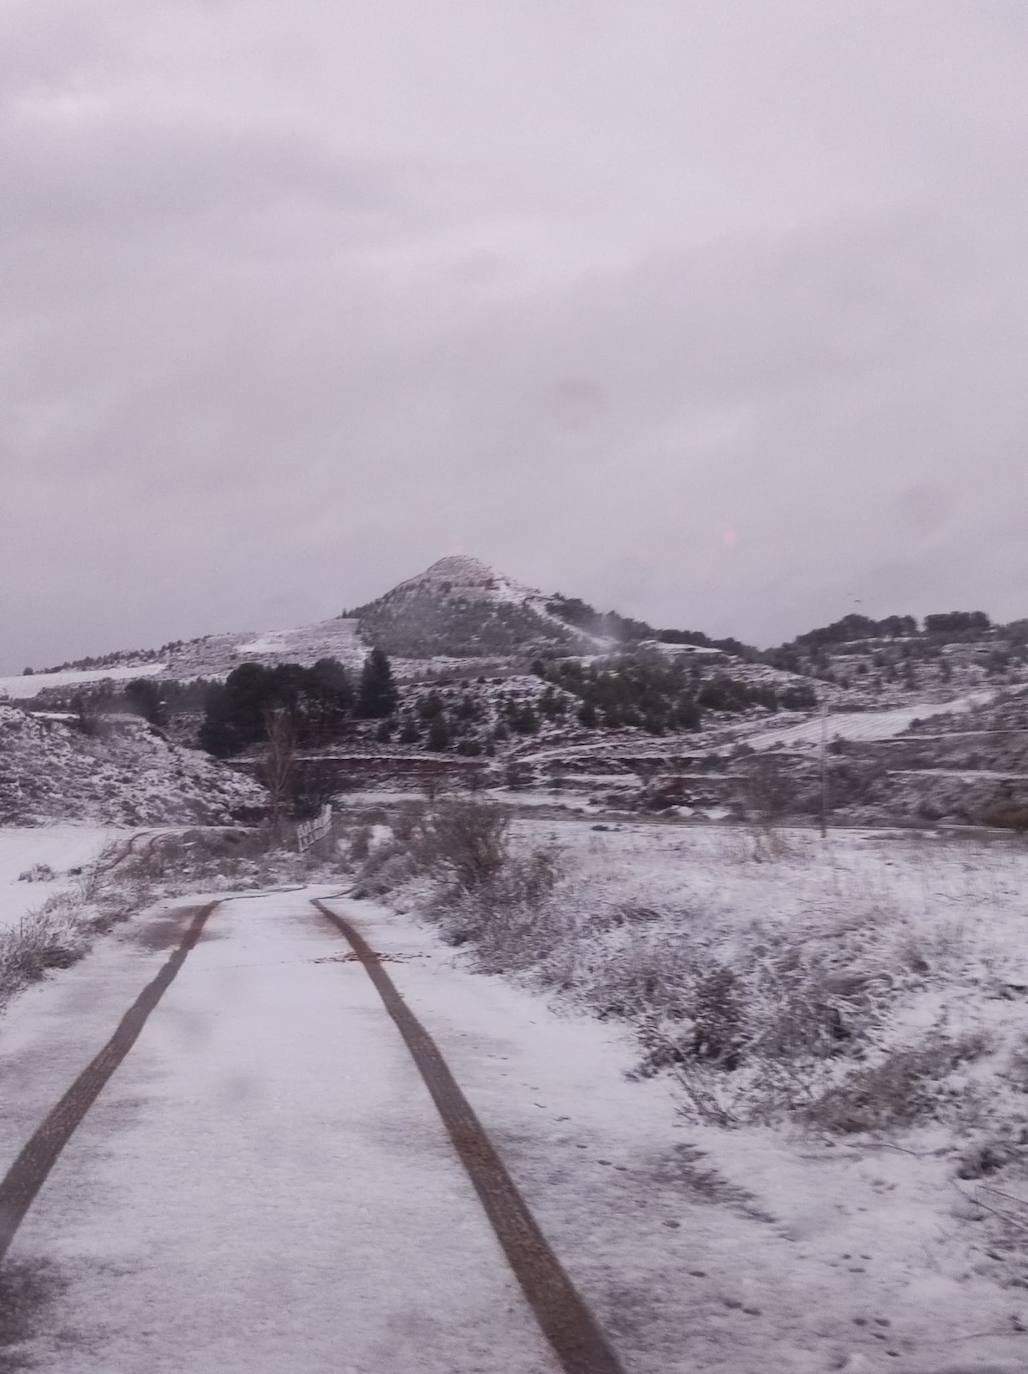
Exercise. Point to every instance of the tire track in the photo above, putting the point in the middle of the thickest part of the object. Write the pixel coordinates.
(573, 1333)
(28, 1173)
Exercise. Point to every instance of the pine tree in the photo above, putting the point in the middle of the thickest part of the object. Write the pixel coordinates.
(377, 696)
(217, 733)
(144, 696)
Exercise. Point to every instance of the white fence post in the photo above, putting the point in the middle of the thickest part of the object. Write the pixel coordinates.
(308, 833)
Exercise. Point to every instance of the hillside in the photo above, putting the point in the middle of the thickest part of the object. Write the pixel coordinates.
(127, 775)
(529, 690)
(878, 664)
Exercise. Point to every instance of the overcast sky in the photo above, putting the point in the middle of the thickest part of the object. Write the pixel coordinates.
(715, 313)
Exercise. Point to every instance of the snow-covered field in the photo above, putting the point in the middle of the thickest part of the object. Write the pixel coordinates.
(23, 687)
(865, 725)
(59, 847)
(214, 656)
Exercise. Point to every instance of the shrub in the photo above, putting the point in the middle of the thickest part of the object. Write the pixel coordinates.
(467, 839)
(50, 937)
(387, 867)
(360, 843)
(1006, 814)
(438, 734)
(38, 873)
(409, 732)
(717, 1017)
(408, 821)
(508, 918)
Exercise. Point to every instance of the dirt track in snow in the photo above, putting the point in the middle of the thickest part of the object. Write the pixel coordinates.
(569, 1326)
(29, 1172)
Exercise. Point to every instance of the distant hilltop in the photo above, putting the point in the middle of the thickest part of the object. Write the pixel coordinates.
(460, 608)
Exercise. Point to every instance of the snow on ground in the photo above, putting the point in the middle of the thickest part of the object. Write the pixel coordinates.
(216, 655)
(700, 1247)
(30, 685)
(265, 644)
(865, 725)
(59, 847)
(705, 1249)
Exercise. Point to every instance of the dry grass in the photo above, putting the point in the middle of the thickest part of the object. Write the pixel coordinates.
(905, 1086)
(479, 889)
(55, 935)
(830, 984)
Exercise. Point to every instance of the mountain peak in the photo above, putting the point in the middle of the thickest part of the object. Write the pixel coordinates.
(460, 569)
(461, 607)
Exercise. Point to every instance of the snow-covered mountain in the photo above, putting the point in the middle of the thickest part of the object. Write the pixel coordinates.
(460, 607)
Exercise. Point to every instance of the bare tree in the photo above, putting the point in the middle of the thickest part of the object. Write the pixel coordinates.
(316, 783)
(768, 793)
(278, 765)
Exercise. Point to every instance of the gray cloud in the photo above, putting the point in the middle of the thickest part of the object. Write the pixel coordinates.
(715, 314)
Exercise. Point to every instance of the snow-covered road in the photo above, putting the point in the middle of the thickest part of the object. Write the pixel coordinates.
(264, 1183)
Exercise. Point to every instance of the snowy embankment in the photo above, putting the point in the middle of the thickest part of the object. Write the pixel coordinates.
(46, 854)
(123, 773)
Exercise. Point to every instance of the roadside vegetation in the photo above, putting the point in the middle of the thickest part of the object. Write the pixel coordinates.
(848, 988)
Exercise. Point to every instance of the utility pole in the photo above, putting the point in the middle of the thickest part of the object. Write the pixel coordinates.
(824, 769)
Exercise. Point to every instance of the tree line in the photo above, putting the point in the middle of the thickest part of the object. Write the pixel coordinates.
(320, 702)
(659, 694)
(957, 624)
(625, 630)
